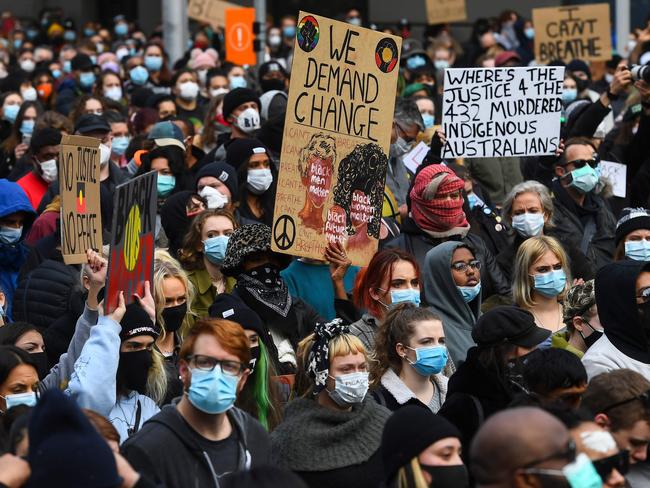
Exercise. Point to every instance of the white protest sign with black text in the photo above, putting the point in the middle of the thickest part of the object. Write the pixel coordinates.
(502, 112)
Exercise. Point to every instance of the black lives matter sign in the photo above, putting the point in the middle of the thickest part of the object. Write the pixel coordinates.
(502, 112)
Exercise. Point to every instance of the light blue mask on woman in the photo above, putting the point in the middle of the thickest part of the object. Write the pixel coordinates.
(550, 284)
(411, 295)
(469, 293)
(638, 250)
(215, 248)
(429, 360)
(213, 391)
(166, 184)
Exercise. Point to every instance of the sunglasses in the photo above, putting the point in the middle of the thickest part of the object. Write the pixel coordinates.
(581, 163)
(568, 454)
(619, 462)
(644, 398)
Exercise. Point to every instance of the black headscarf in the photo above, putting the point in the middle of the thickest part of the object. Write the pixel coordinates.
(318, 362)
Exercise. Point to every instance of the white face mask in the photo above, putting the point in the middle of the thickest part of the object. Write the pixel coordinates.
(29, 94)
(249, 120)
(213, 197)
(349, 389)
(275, 40)
(104, 154)
(49, 170)
(189, 90)
(120, 53)
(113, 92)
(27, 65)
(215, 92)
(259, 180)
(202, 73)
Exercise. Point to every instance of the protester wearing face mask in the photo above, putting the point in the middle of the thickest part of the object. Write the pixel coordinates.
(237, 78)
(429, 451)
(273, 76)
(217, 82)
(274, 41)
(169, 162)
(452, 289)
(261, 396)
(427, 111)
(18, 379)
(121, 137)
(15, 147)
(176, 214)
(583, 327)
(334, 397)
(44, 149)
(626, 322)
(11, 103)
(26, 61)
(633, 235)
(27, 337)
(217, 184)
(569, 90)
(110, 86)
(214, 366)
(255, 178)
(410, 355)
(587, 222)
(492, 374)
(186, 91)
(82, 81)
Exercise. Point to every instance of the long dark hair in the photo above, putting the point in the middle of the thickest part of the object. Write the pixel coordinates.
(267, 198)
(15, 137)
(175, 157)
(10, 357)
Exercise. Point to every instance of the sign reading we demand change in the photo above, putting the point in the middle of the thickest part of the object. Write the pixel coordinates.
(502, 112)
(336, 139)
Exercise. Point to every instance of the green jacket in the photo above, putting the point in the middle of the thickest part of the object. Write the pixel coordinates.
(560, 340)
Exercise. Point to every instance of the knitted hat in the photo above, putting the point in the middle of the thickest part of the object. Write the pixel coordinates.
(272, 65)
(235, 98)
(631, 219)
(509, 324)
(224, 173)
(408, 432)
(240, 150)
(579, 299)
(230, 307)
(65, 450)
(81, 62)
(44, 137)
(203, 61)
(578, 65)
(137, 322)
(246, 240)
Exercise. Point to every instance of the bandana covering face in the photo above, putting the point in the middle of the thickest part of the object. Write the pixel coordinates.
(319, 359)
(265, 285)
(440, 216)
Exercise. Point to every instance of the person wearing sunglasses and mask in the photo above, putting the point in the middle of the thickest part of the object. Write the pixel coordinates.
(333, 386)
(583, 327)
(623, 301)
(428, 454)
(410, 356)
(585, 220)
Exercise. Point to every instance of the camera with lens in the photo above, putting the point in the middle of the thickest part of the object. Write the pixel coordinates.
(640, 72)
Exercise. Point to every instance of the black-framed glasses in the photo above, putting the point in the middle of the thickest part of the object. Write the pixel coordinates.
(644, 295)
(208, 363)
(568, 453)
(581, 163)
(619, 462)
(462, 266)
(644, 398)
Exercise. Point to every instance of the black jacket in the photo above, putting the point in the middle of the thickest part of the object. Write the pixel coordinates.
(166, 449)
(415, 241)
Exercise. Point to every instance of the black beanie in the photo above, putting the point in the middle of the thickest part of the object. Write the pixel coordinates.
(65, 450)
(225, 173)
(631, 219)
(240, 150)
(408, 432)
(137, 322)
(237, 97)
(229, 307)
(508, 324)
(44, 137)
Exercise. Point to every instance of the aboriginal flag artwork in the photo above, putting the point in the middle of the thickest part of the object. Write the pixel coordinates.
(81, 197)
(386, 55)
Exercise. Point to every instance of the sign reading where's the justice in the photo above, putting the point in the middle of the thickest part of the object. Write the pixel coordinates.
(573, 32)
(81, 220)
(336, 139)
(501, 112)
(130, 261)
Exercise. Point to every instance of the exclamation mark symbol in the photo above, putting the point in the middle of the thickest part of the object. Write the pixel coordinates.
(240, 40)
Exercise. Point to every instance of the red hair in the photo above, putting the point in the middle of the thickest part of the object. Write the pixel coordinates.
(229, 335)
(374, 275)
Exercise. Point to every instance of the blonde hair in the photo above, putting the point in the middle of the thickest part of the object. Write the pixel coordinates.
(411, 476)
(165, 266)
(529, 252)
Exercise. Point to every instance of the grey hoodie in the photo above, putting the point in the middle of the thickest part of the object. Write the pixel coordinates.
(443, 297)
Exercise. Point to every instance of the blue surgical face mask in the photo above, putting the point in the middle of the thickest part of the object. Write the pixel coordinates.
(529, 32)
(153, 63)
(121, 29)
(87, 79)
(10, 112)
(289, 31)
(581, 473)
(569, 95)
(69, 35)
(120, 143)
(27, 127)
(67, 66)
(28, 398)
(429, 360)
(166, 184)
(88, 32)
(550, 284)
(139, 75)
(428, 120)
(528, 224)
(213, 391)
(638, 250)
(411, 295)
(56, 74)
(237, 82)
(10, 235)
(215, 248)
(469, 293)
(441, 64)
(584, 179)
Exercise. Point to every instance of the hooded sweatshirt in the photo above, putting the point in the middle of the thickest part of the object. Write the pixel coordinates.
(443, 297)
(624, 344)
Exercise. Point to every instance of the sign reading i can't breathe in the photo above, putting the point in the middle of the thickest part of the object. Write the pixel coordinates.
(501, 112)
(336, 139)
(130, 261)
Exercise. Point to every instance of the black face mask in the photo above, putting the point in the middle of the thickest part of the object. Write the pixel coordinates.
(133, 370)
(515, 371)
(447, 476)
(255, 355)
(272, 84)
(644, 319)
(40, 358)
(174, 316)
(581, 84)
(593, 337)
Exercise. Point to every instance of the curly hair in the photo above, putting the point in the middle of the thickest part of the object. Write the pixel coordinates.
(191, 254)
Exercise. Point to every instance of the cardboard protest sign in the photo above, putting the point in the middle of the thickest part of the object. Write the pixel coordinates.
(239, 36)
(336, 139)
(130, 262)
(573, 32)
(443, 11)
(616, 173)
(210, 11)
(81, 220)
(496, 112)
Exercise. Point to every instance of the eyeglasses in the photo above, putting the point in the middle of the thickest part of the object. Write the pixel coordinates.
(208, 363)
(461, 266)
(644, 398)
(619, 462)
(580, 163)
(568, 454)
(644, 295)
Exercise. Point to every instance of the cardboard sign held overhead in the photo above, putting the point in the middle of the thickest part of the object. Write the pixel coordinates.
(502, 112)
(443, 11)
(81, 220)
(336, 139)
(130, 262)
(573, 32)
(239, 36)
(210, 11)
